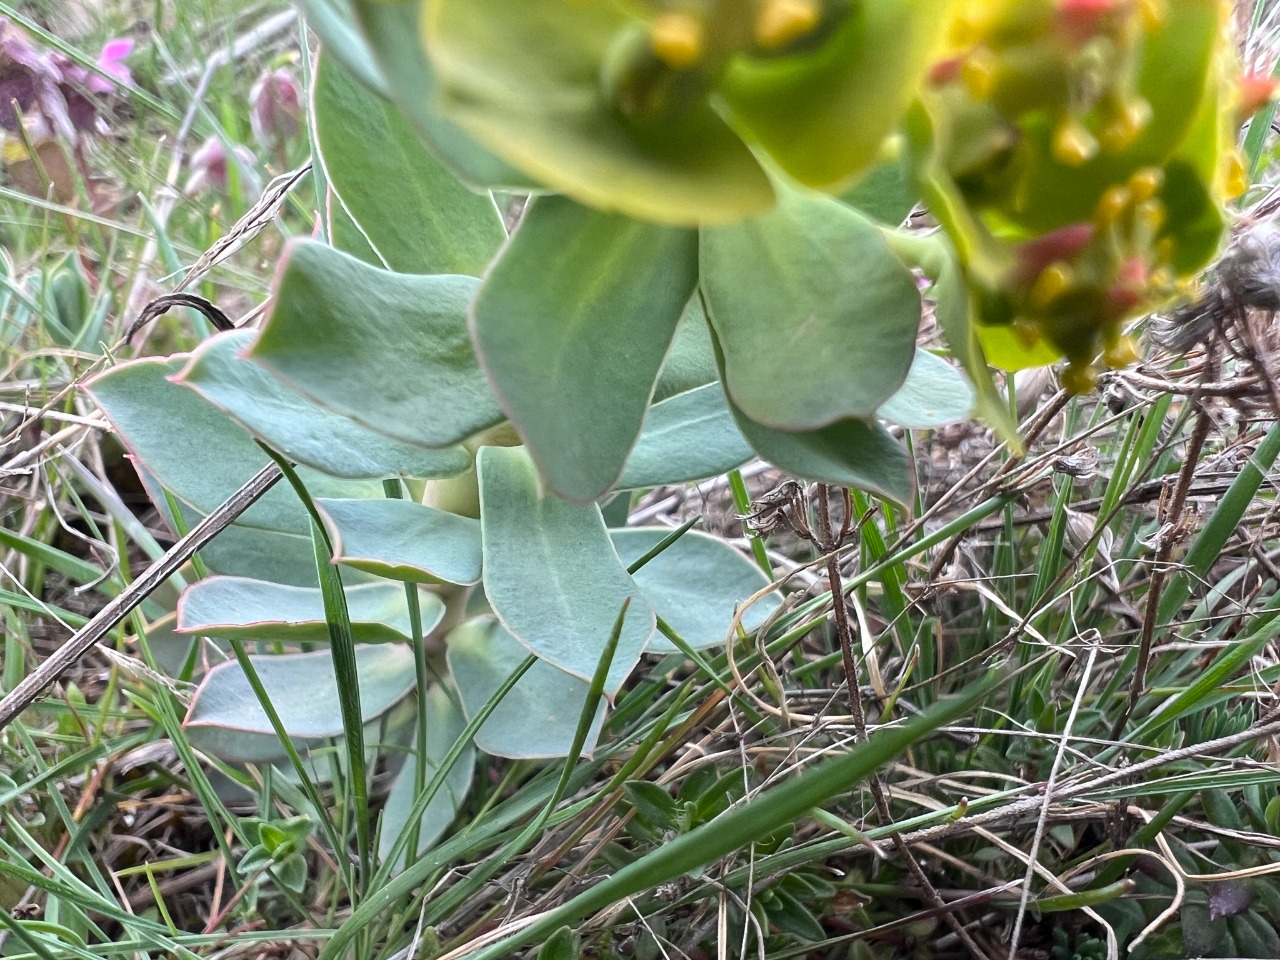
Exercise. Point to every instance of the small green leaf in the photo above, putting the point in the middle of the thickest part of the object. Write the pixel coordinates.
(388, 350)
(690, 436)
(934, 394)
(414, 212)
(226, 719)
(572, 325)
(552, 575)
(526, 80)
(403, 540)
(652, 802)
(300, 428)
(815, 316)
(445, 724)
(695, 585)
(258, 610)
(292, 873)
(540, 715)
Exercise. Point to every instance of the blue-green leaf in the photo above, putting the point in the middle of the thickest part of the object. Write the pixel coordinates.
(259, 610)
(226, 719)
(445, 724)
(388, 350)
(572, 325)
(690, 436)
(299, 427)
(540, 715)
(815, 316)
(403, 540)
(696, 584)
(935, 393)
(552, 575)
(412, 211)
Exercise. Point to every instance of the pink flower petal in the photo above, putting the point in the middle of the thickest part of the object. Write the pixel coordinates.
(110, 61)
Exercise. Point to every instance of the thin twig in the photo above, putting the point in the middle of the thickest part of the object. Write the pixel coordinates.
(829, 543)
(114, 612)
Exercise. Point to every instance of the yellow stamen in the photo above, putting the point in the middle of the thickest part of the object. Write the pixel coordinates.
(1235, 182)
(783, 21)
(978, 73)
(1113, 202)
(1152, 214)
(1125, 126)
(1053, 282)
(678, 40)
(1153, 14)
(1146, 183)
(1079, 378)
(1120, 352)
(1073, 144)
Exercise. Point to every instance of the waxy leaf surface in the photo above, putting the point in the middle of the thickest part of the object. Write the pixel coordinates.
(445, 723)
(226, 718)
(851, 453)
(552, 575)
(690, 436)
(814, 314)
(299, 427)
(695, 585)
(413, 212)
(403, 540)
(193, 449)
(934, 394)
(393, 34)
(389, 350)
(540, 715)
(259, 610)
(572, 325)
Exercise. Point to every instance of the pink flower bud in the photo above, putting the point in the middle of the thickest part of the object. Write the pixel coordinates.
(209, 169)
(275, 107)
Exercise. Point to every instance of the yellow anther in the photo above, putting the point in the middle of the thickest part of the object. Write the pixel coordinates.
(1027, 332)
(784, 21)
(1153, 14)
(1073, 144)
(1120, 352)
(1162, 278)
(1053, 282)
(1235, 182)
(1125, 126)
(1113, 202)
(1146, 183)
(978, 73)
(1079, 378)
(678, 40)
(1152, 214)
(972, 26)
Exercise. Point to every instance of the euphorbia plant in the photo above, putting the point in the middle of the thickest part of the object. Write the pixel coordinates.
(1076, 153)
(706, 283)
